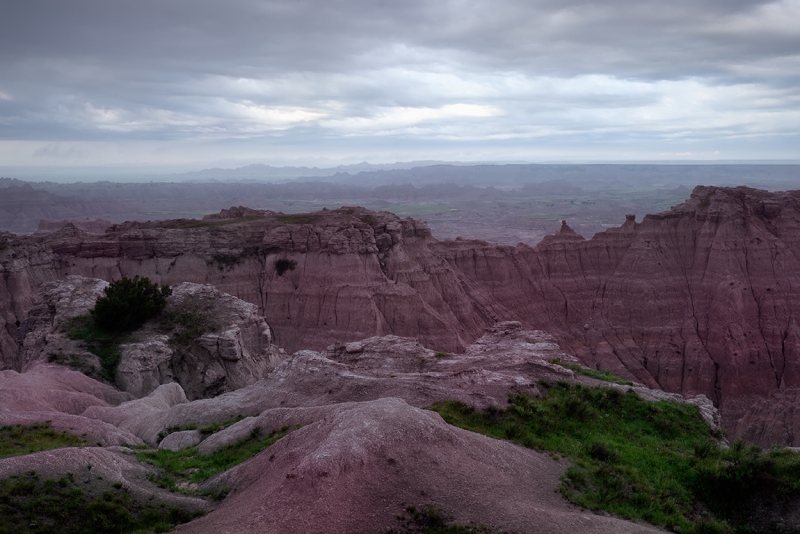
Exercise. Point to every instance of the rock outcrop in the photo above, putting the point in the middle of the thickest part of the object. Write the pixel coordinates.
(701, 299)
(206, 340)
(94, 226)
(311, 385)
(359, 449)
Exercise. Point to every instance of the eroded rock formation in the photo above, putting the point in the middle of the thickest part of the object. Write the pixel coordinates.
(208, 341)
(365, 450)
(700, 299)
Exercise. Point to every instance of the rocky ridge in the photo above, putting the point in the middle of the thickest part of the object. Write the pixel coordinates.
(699, 299)
(365, 449)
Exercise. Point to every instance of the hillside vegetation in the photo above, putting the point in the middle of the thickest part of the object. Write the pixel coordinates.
(652, 461)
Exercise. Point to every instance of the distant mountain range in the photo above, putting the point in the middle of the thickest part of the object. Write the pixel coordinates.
(261, 172)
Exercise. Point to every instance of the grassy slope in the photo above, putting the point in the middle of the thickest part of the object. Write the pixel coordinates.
(188, 465)
(31, 505)
(593, 373)
(19, 439)
(651, 461)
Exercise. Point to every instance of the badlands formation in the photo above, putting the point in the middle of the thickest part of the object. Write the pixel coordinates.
(361, 448)
(342, 325)
(701, 299)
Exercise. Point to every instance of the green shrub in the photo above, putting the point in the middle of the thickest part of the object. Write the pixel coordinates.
(127, 303)
(188, 465)
(29, 504)
(102, 343)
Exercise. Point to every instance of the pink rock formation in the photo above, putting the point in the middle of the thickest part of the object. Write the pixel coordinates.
(700, 299)
(364, 453)
(356, 470)
(309, 385)
(58, 395)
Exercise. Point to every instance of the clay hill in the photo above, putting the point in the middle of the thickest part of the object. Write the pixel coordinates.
(356, 448)
(701, 299)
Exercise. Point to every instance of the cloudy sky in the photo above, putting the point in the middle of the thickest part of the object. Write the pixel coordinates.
(197, 83)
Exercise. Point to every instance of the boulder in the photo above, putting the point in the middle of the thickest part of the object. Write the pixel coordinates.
(144, 365)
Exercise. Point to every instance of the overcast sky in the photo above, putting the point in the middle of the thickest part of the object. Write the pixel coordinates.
(198, 83)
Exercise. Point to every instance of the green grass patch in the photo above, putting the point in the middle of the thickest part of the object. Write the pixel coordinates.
(188, 465)
(441, 354)
(216, 426)
(29, 504)
(297, 218)
(20, 439)
(651, 461)
(102, 343)
(431, 520)
(593, 373)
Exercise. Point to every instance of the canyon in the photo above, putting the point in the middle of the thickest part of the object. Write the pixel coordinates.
(355, 449)
(700, 299)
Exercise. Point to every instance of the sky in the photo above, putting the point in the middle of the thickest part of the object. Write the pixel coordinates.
(177, 84)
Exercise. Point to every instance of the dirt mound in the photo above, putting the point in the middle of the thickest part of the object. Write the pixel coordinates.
(356, 470)
(57, 395)
(47, 387)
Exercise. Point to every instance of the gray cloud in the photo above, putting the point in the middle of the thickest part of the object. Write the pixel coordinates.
(501, 78)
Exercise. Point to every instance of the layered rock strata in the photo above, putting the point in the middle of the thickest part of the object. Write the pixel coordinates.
(311, 385)
(700, 299)
(359, 448)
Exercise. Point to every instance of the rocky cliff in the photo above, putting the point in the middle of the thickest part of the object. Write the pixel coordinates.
(699, 299)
